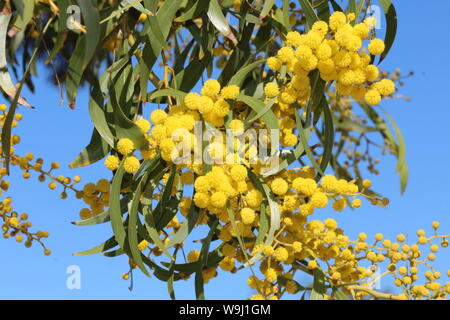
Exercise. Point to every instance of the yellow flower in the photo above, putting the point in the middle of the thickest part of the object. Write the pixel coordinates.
(131, 164)
(372, 97)
(211, 88)
(125, 146)
(319, 200)
(230, 92)
(158, 116)
(248, 216)
(376, 46)
(112, 163)
(271, 90)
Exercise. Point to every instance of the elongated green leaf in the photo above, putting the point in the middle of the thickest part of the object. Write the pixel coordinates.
(219, 21)
(95, 151)
(91, 18)
(402, 167)
(98, 114)
(115, 213)
(240, 76)
(167, 93)
(125, 128)
(309, 12)
(304, 141)
(266, 8)
(274, 215)
(318, 290)
(25, 14)
(391, 26)
(186, 227)
(132, 225)
(257, 105)
(108, 244)
(199, 283)
(193, 12)
(6, 83)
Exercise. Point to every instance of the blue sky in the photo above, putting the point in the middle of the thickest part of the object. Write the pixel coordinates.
(58, 133)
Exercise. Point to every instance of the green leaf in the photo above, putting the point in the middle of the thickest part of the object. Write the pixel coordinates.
(132, 225)
(98, 114)
(402, 167)
(186, 227)
(108, 244)
(391, 26)
(219, 21)
(304, 140)
(125, 128)
(6, 83)
(24, 14)
(286, 20)
(91, 18)
(194, 11)
(318, 290)
(274, 215)
(309, 12)
(257, 105)
(95, 151)
(240, 76)
(266, 8)
(167, 93)
(339, 295)
(115, 212)
(199, 283)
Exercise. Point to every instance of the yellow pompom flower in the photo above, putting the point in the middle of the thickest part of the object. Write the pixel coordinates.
(211, 88)
(271, 275)
(158, 116)
(193, 256)
(238, 173)
(192, 101)
(237, 126)
(143, 124)
(274, 63)
(285, 54)
(125, 146)
(319, 200)
(328, 182)
(271, 90)
(230, 92)
(281, 254)
(385, 87)
(218, 199)
(356, 203)
(279, 186)
(305, 186)
(376, 46)
(131, 164)
(201, 200)
(248, 216)
(254, 198)
(142, 245)
(337, 19)
(112, 163)
(372, 97)
(85, 214)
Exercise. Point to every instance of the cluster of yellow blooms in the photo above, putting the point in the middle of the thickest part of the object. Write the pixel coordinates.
(336, 51)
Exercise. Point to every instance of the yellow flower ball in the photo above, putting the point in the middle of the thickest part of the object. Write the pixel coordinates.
(372, 97)
(376, 46)
(238, 173)
(305, 186)
(248, 216)
(125, 146)
(158, 116)
(271, 90)
(112, 163)
(279, 186)
(131, 164)
(143, 124)
(211, 88)
(319, 200)
(230, 92)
